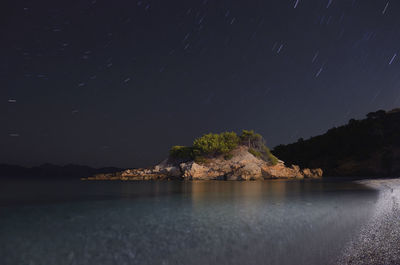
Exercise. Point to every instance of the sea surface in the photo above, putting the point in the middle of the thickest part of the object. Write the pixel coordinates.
(221, 222)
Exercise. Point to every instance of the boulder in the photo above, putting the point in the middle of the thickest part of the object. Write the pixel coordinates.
(312, 173)
(249, 171)
(171, 171)
(281, 171)
(192, 171)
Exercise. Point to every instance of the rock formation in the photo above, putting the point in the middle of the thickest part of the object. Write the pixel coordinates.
(242, 165)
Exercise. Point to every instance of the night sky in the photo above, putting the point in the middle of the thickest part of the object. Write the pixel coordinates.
(118, 82)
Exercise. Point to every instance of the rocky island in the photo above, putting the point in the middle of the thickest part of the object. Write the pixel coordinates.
(224, 156)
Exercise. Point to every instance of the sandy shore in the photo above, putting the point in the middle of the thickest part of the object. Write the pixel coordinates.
(379, 239)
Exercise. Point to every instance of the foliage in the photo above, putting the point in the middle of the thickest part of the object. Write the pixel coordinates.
(200, 160)
(255, 152)
(230, 141)
(228, 156)
(359, 140)
(181, 152)
(252, 139)
(215, 144)
(269, 156)
(264, 154)
(257, 147)
(376, 115)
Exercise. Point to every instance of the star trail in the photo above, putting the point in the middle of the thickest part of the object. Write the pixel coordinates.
(118, 82)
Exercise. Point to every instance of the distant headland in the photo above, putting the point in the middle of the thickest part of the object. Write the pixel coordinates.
(51, 171)
(362, 148)
(223, 156)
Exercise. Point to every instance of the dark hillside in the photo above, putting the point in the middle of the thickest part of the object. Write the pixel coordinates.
(368, 147)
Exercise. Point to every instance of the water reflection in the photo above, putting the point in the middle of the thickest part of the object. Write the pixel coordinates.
(267, 222)
(275, 190)
(45, 191)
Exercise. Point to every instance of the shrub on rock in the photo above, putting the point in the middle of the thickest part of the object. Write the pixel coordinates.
(215, 144)
(181, 152)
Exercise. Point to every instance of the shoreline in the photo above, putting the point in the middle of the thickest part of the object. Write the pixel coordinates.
(378, 241)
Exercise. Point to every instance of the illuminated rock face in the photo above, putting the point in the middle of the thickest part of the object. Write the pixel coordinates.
(241, 166)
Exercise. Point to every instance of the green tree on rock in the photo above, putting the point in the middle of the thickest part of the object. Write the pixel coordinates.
(214, 144)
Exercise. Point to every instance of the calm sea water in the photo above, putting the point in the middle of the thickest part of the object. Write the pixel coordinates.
(269, 222)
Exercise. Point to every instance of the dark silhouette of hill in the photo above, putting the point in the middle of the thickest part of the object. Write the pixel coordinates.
(364, 148)
(52, 171)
